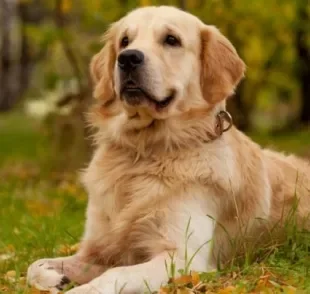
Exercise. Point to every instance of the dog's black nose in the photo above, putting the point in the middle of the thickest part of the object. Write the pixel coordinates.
(130, 59)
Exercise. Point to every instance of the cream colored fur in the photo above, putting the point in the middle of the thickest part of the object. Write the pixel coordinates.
(156, 173)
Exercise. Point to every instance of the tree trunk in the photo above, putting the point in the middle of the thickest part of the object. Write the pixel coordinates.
(303, 68)
(7, 83)
(29, 13)
(26, 62)
(15, 71)
(239, 109)
(182, 4)
(61, 23)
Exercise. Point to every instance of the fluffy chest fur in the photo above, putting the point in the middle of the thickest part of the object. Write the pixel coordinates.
(127, 178)
(137, 200)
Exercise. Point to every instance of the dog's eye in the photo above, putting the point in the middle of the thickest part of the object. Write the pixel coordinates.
(124, 42)
(172, 41)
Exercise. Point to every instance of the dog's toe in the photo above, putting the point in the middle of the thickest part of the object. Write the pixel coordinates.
(43, 276)
(65, 281)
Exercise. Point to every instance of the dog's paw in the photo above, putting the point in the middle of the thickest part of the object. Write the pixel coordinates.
(43, 276)
(114, 281)
(84, 289)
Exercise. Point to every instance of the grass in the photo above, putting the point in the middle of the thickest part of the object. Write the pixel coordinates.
(42, 215)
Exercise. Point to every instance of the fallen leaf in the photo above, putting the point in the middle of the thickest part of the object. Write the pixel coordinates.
(184, 291)
(6, 256)
(68, 249)
(273, 283)
(36, 291)
(164, 290)
(16, 231)
(195, 278)
(289, 290)
(10, 276)
(227, 290)
(185, 279)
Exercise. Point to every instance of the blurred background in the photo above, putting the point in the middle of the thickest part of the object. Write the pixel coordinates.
(45, 50)
(46, 47)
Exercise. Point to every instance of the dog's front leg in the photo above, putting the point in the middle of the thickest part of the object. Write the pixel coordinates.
(55, 274)
(128, 279)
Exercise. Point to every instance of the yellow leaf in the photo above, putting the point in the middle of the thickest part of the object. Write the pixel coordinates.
(36, 291)
(164, 290)
(68, 249)
(4, 289)
(37, 207)
(184, 291)
(10, 248)
(6, 256)
(22, 281)
(183, 280)
(227, 290)
(10, 276)
(289, 290)
(74, 248)
(195, 278)
(273, 283)
(16, 231)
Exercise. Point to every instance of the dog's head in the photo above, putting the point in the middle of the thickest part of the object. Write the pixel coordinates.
(161, 62)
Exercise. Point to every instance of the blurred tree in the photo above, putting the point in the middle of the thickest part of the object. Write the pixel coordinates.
(145, 3)
(47, 43)
(182, 4)
(7, 80)
(303, 53)
(17, 62)
(62, 7)
(30, 13)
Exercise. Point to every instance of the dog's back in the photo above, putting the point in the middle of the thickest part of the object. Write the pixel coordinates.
(290, 183)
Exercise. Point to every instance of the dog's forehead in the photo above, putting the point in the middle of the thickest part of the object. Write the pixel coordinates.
(160, 16)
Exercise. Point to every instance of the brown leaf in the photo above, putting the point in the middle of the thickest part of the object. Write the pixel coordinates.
(164, 290)
(195, 278)
(227, 290)
(183, 280)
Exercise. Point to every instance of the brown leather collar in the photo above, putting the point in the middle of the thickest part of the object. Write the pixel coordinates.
(221, 118)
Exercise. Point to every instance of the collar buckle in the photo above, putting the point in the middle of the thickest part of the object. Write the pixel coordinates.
(223, 117)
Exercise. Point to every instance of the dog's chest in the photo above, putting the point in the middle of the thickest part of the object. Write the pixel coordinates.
(120, 180)
(117, 180)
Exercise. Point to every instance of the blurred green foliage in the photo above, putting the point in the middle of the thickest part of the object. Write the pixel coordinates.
(272, 37)
(264, 33)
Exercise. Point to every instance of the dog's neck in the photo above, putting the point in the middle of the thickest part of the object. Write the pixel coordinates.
(193, 128)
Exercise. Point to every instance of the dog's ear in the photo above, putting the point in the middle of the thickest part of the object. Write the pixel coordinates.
(102, 68)
(222, 68)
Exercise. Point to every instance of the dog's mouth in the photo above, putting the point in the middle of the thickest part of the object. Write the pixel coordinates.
(135, 96)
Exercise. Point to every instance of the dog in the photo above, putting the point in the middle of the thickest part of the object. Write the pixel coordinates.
(171, 180)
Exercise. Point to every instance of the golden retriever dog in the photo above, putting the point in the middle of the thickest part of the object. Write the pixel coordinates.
(171, 181)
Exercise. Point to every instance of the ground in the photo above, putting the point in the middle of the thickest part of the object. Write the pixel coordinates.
(42, 215)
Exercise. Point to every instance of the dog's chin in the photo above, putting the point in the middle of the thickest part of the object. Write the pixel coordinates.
(135, 97)
(139, 123)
